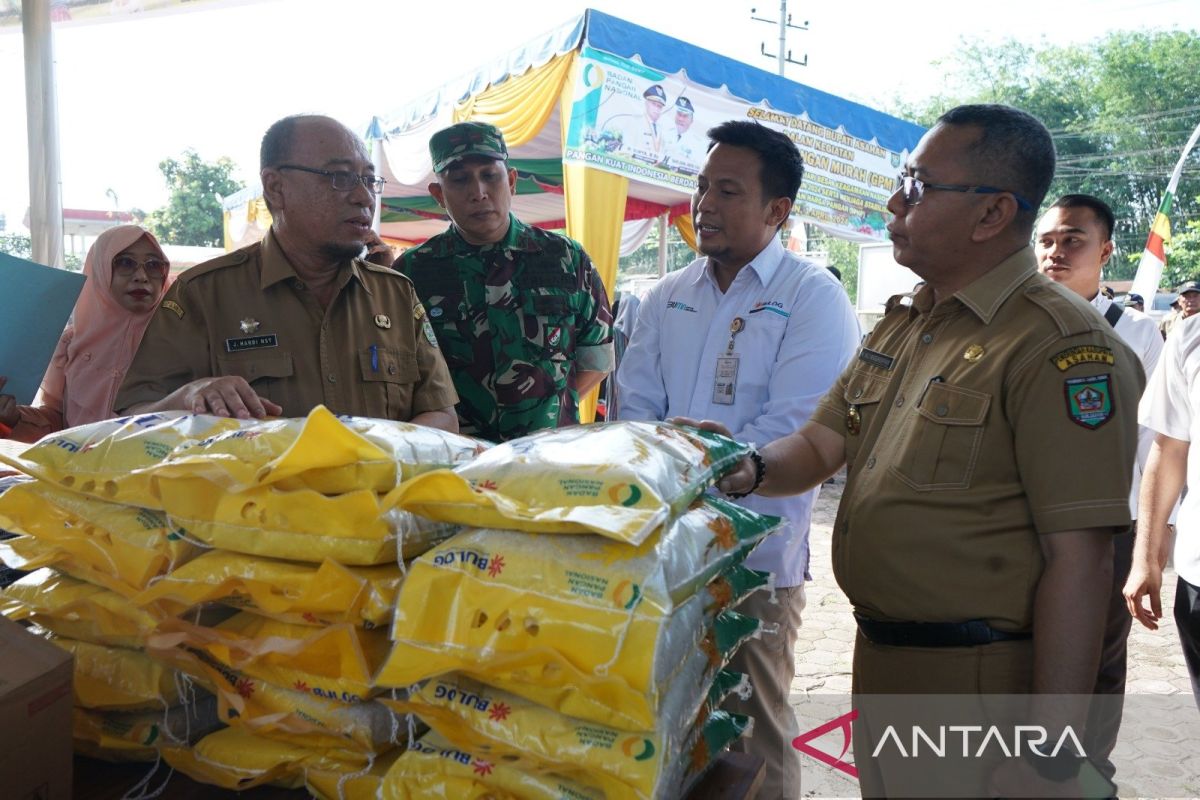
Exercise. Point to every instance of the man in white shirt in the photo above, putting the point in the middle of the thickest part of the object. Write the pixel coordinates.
(751, 336)
(1171, 408)
(1073, 243)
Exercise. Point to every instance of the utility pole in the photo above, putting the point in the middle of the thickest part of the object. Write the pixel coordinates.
(784, 55)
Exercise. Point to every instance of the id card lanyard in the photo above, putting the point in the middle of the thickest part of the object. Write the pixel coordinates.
(725, 385)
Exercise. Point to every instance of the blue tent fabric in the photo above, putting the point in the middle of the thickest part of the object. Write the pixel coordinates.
(669, 55)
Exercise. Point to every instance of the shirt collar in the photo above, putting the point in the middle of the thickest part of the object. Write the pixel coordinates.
(764, 265)
(276, 267)
(987, 293)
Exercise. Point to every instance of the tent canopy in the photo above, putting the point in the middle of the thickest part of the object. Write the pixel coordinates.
(527, 93)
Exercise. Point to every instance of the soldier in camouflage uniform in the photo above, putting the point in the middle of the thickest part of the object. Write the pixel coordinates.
(521, 315)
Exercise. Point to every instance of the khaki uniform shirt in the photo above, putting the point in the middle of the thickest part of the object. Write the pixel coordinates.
(370, 353)
(1005, 412)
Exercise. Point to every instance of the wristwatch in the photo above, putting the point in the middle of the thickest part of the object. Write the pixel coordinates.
(760, 471)
(1062, 765)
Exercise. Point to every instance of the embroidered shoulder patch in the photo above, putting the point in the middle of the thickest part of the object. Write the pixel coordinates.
(171, 305)
(1083, 354)
(1089, 400)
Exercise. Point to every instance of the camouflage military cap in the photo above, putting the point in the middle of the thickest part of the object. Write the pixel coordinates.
(466, 139)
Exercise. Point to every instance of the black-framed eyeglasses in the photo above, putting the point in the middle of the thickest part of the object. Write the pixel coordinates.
(343, 180)
(126, 266)
(912, 188)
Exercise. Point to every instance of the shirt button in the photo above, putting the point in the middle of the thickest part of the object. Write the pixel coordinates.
(871, 462)
(332, 378)
(899, 401)
(927, 338)
(941, 411)
(858, 393)
(87, 356)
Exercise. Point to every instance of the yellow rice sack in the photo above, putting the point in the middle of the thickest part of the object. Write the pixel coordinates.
(117, 546)
(305, 718)
(301, 525)
(323, 452)
(349, 782)
(289, 591)
(586, 652)
(337, 662)
(434, 769)
(620, 479)
(672, 707)
(234, 758)
(120, 679)
(136, 736)
(77, 610)
(480, 718)
(115, 459)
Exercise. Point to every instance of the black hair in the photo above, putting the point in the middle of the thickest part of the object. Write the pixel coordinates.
(277, 141)
(1098, 207)
(781, 167)
(1014, 150)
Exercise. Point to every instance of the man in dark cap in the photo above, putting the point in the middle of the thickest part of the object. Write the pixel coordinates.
(682, 150)
(1185, 305)
(521, 315)
(1135, 302)
(645, 139)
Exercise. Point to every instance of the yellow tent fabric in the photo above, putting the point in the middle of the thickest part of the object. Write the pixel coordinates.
(595, 206)
(683, 224)
(522, 106)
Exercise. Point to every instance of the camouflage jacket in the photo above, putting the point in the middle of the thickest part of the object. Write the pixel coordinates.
(514, 320)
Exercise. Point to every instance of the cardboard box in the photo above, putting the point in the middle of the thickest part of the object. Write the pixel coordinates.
(35, 716)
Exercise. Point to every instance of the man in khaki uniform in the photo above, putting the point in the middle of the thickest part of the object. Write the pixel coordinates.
(988, 430)
(297, 320)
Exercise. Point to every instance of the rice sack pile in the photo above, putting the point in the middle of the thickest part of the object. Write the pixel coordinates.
(251, 558)
(573, 634)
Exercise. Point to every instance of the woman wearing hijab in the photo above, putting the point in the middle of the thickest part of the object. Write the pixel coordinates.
(126, 273)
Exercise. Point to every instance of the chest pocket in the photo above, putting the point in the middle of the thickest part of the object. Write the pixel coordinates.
(946, 438)
(389, 376)
(862, 394)
(548, 326)
(258, 369)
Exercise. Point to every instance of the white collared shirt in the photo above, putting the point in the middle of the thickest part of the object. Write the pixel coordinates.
(1141, 333)
(799, 333)
(1171, 406)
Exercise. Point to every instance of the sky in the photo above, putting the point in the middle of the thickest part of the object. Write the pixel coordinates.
(134, 92)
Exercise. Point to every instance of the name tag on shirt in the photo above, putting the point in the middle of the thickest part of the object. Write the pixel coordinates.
(725, 386)
(876, 359)
(251, 343)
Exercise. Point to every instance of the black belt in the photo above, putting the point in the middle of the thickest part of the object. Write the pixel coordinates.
(934, 634)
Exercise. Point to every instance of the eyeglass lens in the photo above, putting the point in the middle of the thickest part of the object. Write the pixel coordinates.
(127, 265)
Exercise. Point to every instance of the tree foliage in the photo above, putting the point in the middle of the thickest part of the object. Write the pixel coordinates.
(192, 215)
(21, 246)
(1120, 110)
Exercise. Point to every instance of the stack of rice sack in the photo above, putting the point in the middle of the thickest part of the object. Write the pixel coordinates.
(571, 643)
(90, 557)
(286, 533)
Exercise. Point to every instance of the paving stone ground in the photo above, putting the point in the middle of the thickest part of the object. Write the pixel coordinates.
(1156, 673)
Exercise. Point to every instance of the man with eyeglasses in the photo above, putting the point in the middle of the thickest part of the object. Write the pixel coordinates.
(987, 430)
(522, 316)
(297, 320)
(1073, 242)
